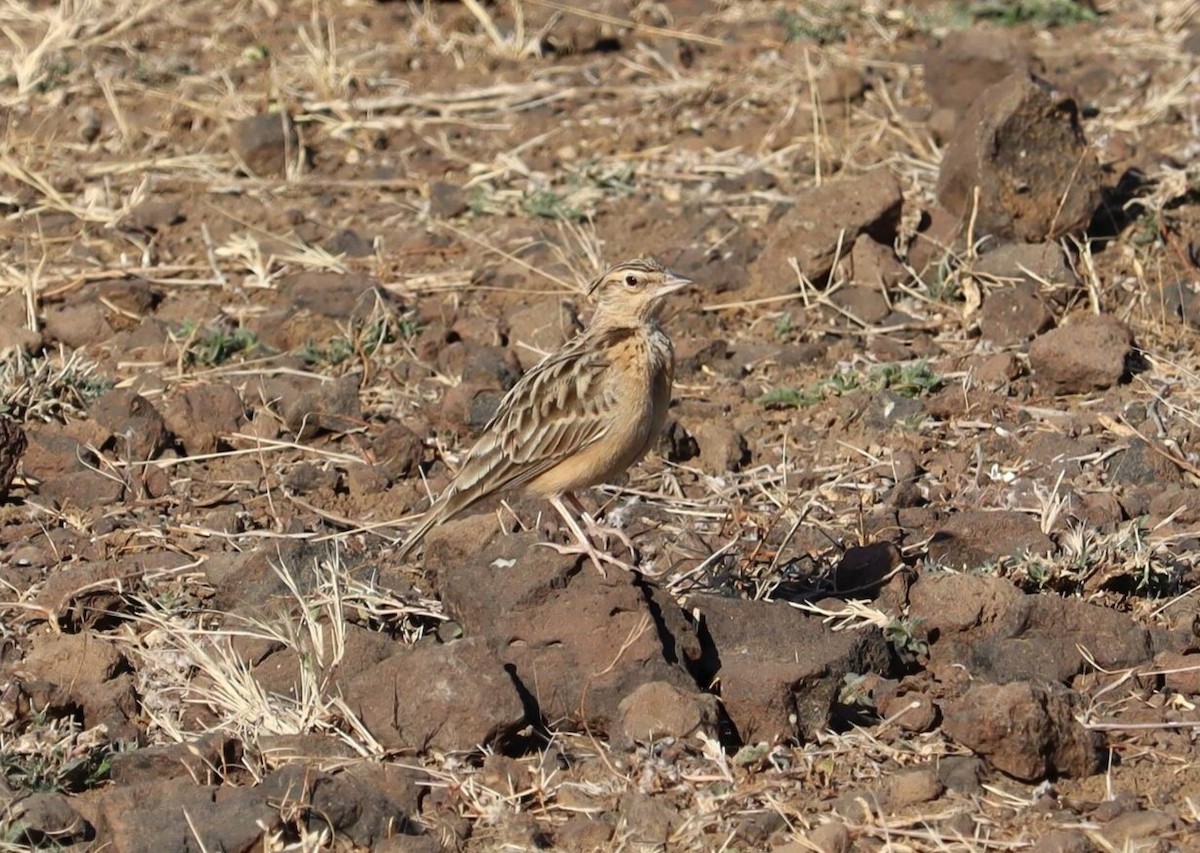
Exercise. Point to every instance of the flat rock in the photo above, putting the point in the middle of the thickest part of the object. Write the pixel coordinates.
(656, 710)
(267, 144)
(967, 62)
(578, 642)
(1025, 152)
(455, 697)
(1025, 730)
(780, 670)
(994, 632)
(975, 538)
(1014, 315)
(1090, 354)
(330, 294)
(823, 220)
(138, 430)
(202, 416)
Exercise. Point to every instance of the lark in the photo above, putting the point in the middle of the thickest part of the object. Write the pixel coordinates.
(582, 415)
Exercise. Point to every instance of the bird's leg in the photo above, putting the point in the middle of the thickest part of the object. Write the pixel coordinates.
(584, 545)
(597, 529)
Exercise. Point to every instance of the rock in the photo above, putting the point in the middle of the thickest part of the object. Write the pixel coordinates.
(1063, 841)
(824, 220)
(967, 62)
(1090, 354)
(312, 405)
(15, 339)
(996, 370)
(1135, 826)
(780, 670)
(646, 820)
(349, 243)
(875, 265)
(455, 697)
(913, 787)
(1026, 154)
(935, 240)
(447, 200)
(983, 625)
(78, 324)
(864, 569)
(962, 773)
(721, 449)
(832, 836)
(1014, 315)
(340, 296)
(267, 144)
(203, 416)
(137, 428)
(398, 451)
(1181, 673)
(1025, 730)
(1139, 465)
(12, 446)
(975, 538)
(45, 820)
(676, 444)
(840, 85)
(578, 642)
(911, 711)
(153, 215)
(1178, 300)
(1035, 264)
(540, 328)
(196, 760)
(584, 834)
(862, 302)
(76, 662)
(366, 803)
(657, 710)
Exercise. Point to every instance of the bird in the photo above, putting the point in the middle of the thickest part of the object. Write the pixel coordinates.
(580, 416)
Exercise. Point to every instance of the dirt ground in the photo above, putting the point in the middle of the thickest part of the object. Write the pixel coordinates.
(918, 549)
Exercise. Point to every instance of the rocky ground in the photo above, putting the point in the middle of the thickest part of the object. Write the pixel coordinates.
(919, 546)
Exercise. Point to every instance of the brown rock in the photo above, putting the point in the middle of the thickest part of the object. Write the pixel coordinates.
(1181, 673)
(1136, 826)
(1088, 355)
(1026, 154)
(1014, 315)
(310, 406)
(398, 451)
(780, 669)
(153, 215)
(12, 446)
(137, 428)
(1025, 730)
(267, 144)
(44, 820)
(77, 325)
(830, 837)
(953, 603)
(875, 265)
(1035, 264)
(16, 339)
(579, 642)
(584, 834)
(913, 787)
(823, 220)
(646, 820)
(73, 661)
(841, 85)
(330, 294)
(447, 200)
(911, 711)
(863, 302)
(657, 710)
(967, 62)
(538, 329)
(864, 569)
(455, 697)
(971, 539)
(1063, 841)
(202, 416)
(721, 449)
(204, 760)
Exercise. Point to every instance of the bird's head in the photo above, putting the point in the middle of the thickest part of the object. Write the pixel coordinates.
(633, 291)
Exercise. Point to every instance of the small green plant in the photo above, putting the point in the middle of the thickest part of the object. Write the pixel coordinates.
(56, 756)
(210, 347)
(50, 387)
(796, 27)
(549, 204)
(1042, 13)
(915, 379)
(787, 398)
(903, 633)
(784, 326)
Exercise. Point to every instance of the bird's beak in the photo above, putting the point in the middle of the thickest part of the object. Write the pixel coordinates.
(674, 282)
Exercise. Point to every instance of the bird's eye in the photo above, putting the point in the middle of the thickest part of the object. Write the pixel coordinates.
(631, 280)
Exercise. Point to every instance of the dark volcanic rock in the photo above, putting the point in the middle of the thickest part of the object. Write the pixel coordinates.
(1024, 151)
(1088, 355)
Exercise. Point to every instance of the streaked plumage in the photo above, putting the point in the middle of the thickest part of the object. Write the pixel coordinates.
(583, 414)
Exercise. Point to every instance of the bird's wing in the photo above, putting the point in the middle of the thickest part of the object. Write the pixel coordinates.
(558, 408)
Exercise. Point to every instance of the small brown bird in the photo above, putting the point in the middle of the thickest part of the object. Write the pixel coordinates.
(583, 414)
